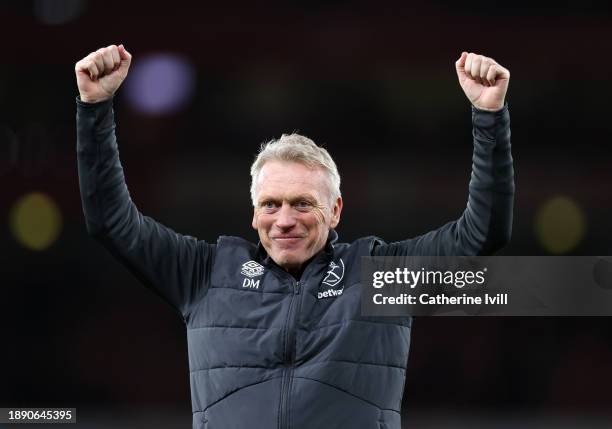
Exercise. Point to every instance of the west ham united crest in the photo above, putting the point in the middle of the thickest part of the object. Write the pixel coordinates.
(332, 285)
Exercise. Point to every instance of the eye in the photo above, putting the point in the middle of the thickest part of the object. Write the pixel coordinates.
(303, 205)
(268, 205)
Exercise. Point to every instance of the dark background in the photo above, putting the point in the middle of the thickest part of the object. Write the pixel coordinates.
(375, 83)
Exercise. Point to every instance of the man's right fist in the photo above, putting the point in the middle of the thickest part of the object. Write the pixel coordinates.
(101, 73)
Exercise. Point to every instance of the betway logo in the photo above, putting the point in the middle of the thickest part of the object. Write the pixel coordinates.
(329, 293)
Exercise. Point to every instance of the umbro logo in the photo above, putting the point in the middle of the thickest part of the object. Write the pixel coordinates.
(252, 269)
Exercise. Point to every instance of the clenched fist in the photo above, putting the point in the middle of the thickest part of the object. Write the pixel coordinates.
(101, 73)
(484, 82)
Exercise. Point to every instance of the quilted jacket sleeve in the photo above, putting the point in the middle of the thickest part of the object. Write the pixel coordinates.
(486, 224)
(175, 266)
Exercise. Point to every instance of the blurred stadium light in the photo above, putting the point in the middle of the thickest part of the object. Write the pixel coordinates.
(160, 83)
(35, 221)
(57, 12)
(560, 224)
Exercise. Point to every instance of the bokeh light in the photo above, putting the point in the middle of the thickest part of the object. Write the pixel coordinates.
(35, 221)
(160, 84)
(57, 12)
(560, 224)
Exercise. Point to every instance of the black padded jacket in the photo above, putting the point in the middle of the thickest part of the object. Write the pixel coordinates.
(266, 350)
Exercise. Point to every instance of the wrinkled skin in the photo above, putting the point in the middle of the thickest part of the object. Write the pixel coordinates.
(293, 212)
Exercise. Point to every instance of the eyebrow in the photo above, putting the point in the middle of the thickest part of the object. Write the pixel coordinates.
(292, 200)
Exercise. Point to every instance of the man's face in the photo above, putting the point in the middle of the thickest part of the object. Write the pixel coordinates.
(293, 212)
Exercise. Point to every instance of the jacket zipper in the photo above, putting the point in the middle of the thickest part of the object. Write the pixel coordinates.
(290, 347)
(289, 356)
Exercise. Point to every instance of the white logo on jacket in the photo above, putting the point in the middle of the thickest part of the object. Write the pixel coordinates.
(334, 276)
(251, 269)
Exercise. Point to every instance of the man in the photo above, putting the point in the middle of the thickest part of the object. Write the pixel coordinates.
(275, 334)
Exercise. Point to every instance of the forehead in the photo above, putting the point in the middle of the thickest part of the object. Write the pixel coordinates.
(285, 179)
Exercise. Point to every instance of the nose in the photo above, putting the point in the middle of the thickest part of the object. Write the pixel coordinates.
(286, 217)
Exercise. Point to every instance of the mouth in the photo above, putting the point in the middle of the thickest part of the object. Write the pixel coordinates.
(288, 239)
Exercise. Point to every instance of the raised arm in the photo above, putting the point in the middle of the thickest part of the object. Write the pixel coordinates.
(173, 265)
(486, 224)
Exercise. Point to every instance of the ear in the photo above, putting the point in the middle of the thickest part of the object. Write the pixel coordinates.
(254, 222)
(336, 210)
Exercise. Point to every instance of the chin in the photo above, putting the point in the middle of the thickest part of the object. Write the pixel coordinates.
(290, 261)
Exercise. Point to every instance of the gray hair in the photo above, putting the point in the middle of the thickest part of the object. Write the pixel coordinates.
(296, 148)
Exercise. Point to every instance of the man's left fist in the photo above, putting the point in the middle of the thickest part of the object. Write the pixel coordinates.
(483, 80)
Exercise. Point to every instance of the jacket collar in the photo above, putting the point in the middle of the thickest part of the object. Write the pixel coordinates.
(332, 238)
